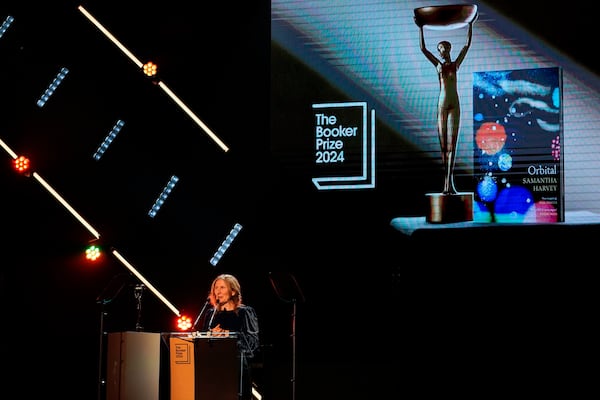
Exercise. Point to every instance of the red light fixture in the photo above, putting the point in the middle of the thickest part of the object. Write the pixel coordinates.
(184, 323)
(21, 164)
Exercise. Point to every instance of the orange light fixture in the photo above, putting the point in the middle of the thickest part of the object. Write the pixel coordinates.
(150, 69)
(21, 164)
(184, 323)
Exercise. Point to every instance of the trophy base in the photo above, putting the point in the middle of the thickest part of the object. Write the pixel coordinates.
(446, 208)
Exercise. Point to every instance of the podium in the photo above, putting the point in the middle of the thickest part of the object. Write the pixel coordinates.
(204, 367)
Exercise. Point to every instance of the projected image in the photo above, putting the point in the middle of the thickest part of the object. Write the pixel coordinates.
(517, 145)
(370, 52)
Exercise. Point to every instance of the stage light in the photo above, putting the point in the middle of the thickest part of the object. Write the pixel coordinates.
(163, 196)
(184, 323)
(6, 24)
(225, 245)
(108, 140)
(93, 252)
(21, 164)
(52, 87)
(150, 69)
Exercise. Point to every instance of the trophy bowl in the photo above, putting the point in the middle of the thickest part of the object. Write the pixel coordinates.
(452, 16)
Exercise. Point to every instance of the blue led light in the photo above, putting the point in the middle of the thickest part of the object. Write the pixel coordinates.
(6, 24)
(108, 140)
(163, 196)
(225, 245)
(52, 87)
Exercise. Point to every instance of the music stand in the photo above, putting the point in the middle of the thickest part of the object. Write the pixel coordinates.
(287, 289)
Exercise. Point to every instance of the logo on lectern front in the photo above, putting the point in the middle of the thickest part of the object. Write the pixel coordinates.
(182, 353)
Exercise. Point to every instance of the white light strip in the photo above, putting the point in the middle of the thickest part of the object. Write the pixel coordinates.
(256, 395)
(145, 282)
(67, 206)
(162, 85)
(110, 36)
(189, 112)
(9, 20)
(8, 150)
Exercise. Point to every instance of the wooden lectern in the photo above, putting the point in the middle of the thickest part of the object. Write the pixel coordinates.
(204, 367)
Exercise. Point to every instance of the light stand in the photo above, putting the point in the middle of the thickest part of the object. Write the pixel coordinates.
(109, 293)
(287, 289)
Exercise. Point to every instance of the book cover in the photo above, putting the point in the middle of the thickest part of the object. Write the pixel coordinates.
(517, 141)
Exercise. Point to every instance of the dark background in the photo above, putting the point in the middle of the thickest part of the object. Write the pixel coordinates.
(361, 330)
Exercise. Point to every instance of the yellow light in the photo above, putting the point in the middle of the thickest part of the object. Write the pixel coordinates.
(150, 69)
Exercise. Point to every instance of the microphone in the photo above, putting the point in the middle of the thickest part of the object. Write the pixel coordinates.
(213, 315)
(200, 314)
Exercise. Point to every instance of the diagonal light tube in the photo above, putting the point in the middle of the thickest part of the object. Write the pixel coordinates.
(164, 87)
(145, 281)
(66, 205)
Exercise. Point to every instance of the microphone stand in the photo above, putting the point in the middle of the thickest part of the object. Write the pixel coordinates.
(212, 317)
(200, 314)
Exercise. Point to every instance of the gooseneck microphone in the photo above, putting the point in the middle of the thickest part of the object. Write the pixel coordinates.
(212, 317)
(201, 312)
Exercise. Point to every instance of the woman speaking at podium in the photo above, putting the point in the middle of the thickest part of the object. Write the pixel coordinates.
(230, 315)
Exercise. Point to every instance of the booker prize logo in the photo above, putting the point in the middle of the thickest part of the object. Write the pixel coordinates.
(344, 146)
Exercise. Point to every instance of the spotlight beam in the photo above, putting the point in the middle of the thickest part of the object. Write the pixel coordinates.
(164, 87)
(145, 282)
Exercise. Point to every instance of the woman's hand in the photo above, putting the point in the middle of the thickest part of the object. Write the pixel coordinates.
(219, 332)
